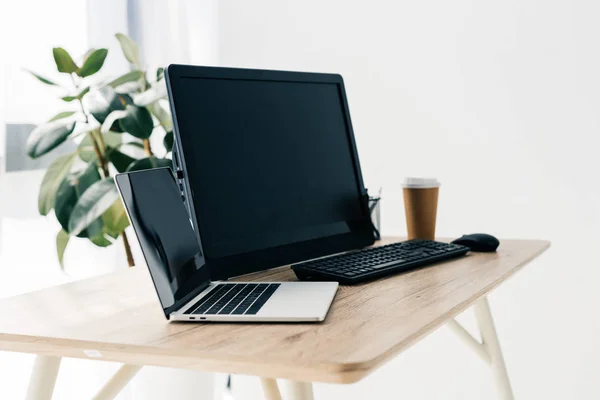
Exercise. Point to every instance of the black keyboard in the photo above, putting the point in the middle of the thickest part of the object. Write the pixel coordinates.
(234, 299)
(374, 262)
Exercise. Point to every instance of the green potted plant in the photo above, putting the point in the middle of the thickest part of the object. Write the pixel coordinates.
(112, 121)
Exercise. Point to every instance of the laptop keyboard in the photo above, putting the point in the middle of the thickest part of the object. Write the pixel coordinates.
(234, 299)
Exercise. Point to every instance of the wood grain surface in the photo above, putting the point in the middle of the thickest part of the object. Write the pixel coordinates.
(117, 317)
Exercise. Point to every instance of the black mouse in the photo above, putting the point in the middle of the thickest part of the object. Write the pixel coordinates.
(478, 242)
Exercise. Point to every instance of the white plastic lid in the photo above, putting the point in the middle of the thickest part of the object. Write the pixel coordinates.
(420, 183)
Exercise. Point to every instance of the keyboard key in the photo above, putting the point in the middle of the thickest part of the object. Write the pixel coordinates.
(262, 299)
(209, 300)
(247, 302)
(242, 294)
(205, 297)
(226, 298)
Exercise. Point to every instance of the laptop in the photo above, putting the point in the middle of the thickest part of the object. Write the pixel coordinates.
(180, 272)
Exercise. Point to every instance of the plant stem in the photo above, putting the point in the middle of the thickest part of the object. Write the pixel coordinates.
(130, 260)
(101, 143)
(106, 173)
(102, 164)
(147, 148)
(100, 150)
(79, 100)
(146, 83)
(87, 120)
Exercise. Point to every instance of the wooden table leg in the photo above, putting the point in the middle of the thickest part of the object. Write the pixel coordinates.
(489, 348)
(492, 345)
(43, 378)
(118, 382)
(300, 390)
(270, 389)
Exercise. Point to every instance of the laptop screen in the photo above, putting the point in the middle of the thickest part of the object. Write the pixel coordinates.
(269, 162)
(165, 234)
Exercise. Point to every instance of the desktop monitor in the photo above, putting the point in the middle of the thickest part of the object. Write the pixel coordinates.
(267, 166)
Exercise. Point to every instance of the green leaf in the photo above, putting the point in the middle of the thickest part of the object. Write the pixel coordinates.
(160, 73)
(162, 115)
(79, 96)
(138, 145)
(115, 128)
(42, 79)
(101, 240)
(69, 192)
(103, 101)
(47, 136)
(86, 148)
(149, 163)
(120, 160)
(66, 198)
(168, 141)
(92, 204)
(87, 154)
(111, 120)
(93, 62)
(63, 61)
(112, 139)
(62, 239)
(111, 234)
(56, 173)
(134, 149)
(131, 76)
(61, 115)
(130, 48)
(138, 122)
(157, 92)
(87, 54)
(83, 93)
(115, 218)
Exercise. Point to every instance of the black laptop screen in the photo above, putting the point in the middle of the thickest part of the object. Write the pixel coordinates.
(269, 162)
(165, 234)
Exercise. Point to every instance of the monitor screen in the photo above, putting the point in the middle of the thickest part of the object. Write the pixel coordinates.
(269, 162)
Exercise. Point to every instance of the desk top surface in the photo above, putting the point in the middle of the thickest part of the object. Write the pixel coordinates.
(117, 317)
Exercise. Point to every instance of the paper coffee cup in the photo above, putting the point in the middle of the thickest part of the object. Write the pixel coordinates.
(420, 206)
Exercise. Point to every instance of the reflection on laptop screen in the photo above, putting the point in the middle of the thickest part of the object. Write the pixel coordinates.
(163, 229)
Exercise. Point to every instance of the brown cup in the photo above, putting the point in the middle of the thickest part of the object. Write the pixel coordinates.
(420, 207)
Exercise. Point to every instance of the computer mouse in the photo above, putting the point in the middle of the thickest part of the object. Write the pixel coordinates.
(478, 242)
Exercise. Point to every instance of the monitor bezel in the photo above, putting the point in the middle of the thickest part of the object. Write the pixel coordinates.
(272, 257)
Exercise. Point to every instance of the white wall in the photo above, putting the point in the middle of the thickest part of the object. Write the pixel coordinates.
(175, 31)
(500, 101)
(29, 31)
(104, 19)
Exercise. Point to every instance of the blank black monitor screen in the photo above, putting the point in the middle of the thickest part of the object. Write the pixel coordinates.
(270, 163)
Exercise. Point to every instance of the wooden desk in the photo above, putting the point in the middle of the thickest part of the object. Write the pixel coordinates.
(117, 317)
